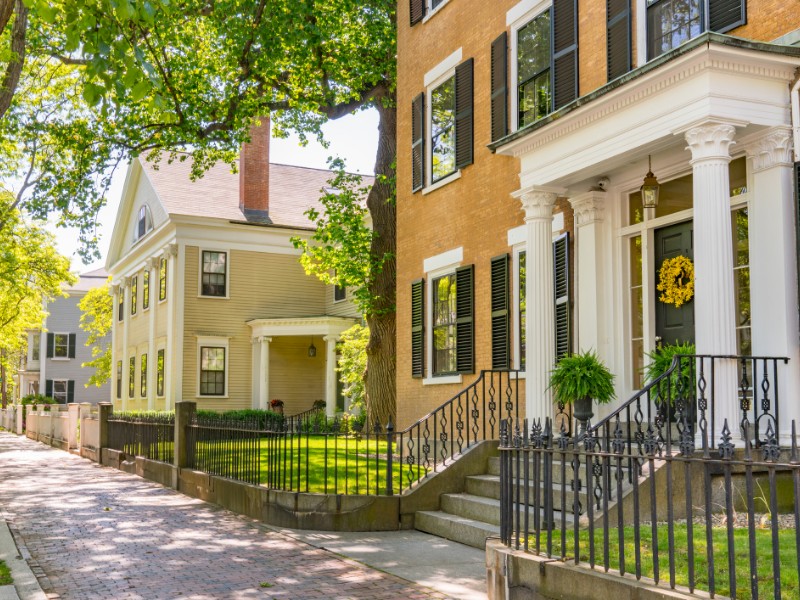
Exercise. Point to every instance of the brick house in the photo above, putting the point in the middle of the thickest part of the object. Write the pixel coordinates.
(211, 303)
(526, 130)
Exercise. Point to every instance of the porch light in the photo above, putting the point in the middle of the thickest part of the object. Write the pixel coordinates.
(312, 349)
(649, 188)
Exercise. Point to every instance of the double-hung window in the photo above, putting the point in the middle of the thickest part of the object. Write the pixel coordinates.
(162, 279)
(60, 391)
(134, 293)
(533, 70)
(444, 325)
(119, 379)
(120, 304)
(443, 134)
(212, 371)
(143, 376)
(146, 290)
(60, 345)
(131, 377)
(160, 373)
(214, 274)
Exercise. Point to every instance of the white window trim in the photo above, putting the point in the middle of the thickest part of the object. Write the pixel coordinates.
(148, 220)
(437, 266)
(66, 389)
(59, 358)
(516, 18)
(159, 348)
(212, 342)
(200, 294)
(33, 338)
(433, 79)
(430, 12)
(149, 289)
(166, 283)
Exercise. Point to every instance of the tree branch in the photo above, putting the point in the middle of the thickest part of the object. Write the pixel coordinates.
(14, 68)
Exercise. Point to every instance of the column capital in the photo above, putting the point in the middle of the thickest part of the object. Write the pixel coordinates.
(115, 288)
(152, 262)
(171, 250)
(262, 339)
(124, 282)
(772, 148)
(588, 207)
(537, 201)
(710, 141)
(332, 338)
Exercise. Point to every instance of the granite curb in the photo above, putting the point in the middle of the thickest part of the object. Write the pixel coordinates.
(26, 586)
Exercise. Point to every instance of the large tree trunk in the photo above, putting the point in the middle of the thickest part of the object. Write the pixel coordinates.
(14, 67)
(381, 351)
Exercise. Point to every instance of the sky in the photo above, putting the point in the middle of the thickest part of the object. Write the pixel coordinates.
(353, 138)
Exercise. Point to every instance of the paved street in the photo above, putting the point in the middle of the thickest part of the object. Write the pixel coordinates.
(95, 532)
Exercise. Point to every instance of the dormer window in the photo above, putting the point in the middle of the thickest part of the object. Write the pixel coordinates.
(144, 222)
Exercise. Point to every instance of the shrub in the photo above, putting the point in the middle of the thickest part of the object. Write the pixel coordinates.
(33, 399)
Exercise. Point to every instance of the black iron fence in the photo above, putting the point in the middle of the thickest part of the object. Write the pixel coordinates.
(704, 516)
(149, 435)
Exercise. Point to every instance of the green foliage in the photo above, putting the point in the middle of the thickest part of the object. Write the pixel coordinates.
(580, 376)
(681, 379)
(96, 319)
(353, 365)
(5, 574)
(34, 399)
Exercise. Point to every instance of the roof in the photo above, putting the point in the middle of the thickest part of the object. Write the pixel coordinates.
(292, 190)
(90, 280)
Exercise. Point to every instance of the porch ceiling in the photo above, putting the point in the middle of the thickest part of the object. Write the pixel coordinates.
(322, 325)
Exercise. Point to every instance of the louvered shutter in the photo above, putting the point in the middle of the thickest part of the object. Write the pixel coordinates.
(418, 143)
(51, 345)
(618, 37)
(464, 117)
(561, 295)
(417, 10)
(418, 328)
(48, 388)
(465, 322)
(724, 15)
(70, 391)
(500, 86)
(501, 349)
(71, 351)
(565, 52)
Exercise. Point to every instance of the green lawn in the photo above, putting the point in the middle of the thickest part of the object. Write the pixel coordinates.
(5, 574)
(765, 576)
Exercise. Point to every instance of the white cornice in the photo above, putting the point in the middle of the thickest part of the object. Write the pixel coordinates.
(323, 325)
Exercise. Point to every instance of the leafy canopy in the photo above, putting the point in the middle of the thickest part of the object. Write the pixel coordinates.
(96, 319)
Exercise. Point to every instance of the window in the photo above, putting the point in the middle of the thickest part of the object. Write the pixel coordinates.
(162, 279)
(60, 391)
(533, 70)
(60, 345)
(132, 377)
(444, 325)
(143, 376)
(160, 373)
(741, 279)
(522, 303)
(214, 274)
(419, 9)
(339, 293)
(636, 290)
(212, 371)
(134, 293)
(119, 379)
(146, 290)
(36, 341)
(443, 143)
(144, 222)
(120, 304)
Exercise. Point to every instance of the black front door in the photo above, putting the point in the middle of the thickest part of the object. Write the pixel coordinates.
(673, 325)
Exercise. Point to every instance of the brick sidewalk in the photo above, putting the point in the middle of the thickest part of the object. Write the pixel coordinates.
(94, 532)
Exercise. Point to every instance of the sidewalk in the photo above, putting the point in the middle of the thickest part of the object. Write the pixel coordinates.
(25, 586)
(95, 532)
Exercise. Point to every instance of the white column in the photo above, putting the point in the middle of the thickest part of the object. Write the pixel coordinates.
(263, 378)
(152, 363)
(330, 374)
(714, 303)
(173, 345)
(126, 316)
(116, 355)
(540, 307)
(773, 265)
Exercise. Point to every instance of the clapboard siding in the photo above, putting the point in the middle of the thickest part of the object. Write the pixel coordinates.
(294, 377)
(345, 308)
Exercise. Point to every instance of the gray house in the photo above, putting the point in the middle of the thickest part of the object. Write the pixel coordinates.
(53, 365)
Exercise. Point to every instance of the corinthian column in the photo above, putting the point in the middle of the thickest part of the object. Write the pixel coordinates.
(539, 303)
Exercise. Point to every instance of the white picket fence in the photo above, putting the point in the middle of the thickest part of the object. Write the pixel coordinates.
(69, 427)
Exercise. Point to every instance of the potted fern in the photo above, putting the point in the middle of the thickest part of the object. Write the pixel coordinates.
(680, 383)
(579, 379)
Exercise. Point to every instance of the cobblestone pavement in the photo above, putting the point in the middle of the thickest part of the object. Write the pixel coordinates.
(95, 532)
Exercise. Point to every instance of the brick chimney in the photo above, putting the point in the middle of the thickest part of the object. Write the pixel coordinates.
(254, 174)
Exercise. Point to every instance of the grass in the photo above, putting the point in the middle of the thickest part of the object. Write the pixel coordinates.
(5, 574)
(765, 577)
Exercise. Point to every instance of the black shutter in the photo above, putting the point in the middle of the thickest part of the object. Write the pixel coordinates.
(465, 322)
(565, 52)
(417, 11)
(464, 119)
(501, 348)
(48, 388)
(724, 15)
(561, 295)
(500, 86)
(71, 353)
(418, 328)
(70, 391)
(51, 345)
(618, 37)
(418, 143)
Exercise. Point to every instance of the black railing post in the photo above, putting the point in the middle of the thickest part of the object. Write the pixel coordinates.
(389, 458)
(184, 412)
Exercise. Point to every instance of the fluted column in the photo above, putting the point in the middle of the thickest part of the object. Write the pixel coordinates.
(152, 363)
(263, 378)
(330, 374)
(540, 307)
(714, 303)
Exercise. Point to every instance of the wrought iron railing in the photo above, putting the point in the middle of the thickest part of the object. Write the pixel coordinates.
(151, 435)
(725, 522)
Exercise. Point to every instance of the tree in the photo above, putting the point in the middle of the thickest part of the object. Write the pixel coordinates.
(107, 80)
(96, 319)
(353, 364)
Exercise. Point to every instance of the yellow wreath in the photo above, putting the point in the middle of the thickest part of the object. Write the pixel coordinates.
(676, 281)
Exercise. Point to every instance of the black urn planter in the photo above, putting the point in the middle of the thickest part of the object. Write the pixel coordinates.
(582, 409)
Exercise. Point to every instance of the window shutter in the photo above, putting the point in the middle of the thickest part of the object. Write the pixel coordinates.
(71, 352)
(48, 388)
(501, 349)
(465, 327)
(500, 86)
(565, 52)
(418, 143)
(51, 345)
(417, 11)
(618, 37)
(724, 15)
(418, 328)
(464, 120)
(562, 295)
(70, 391)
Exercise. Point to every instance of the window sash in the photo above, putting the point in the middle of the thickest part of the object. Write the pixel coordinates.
(534, 97)
(36, 342)
(444, 325)
(61, 345)
(160, 373)
(213, 281)
(212, 371)
(143, 376)
(443, 121)
(162, 279)
(522, 303)
(119, 379)
(134, 293)
(146, 290)
(132, 377)
(60, 391)
(670, 23)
